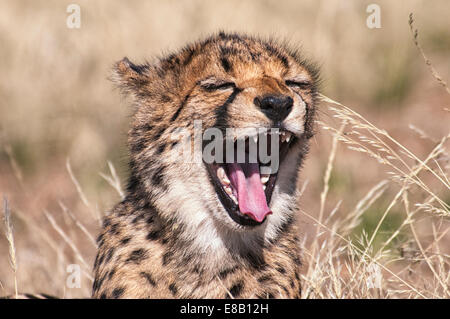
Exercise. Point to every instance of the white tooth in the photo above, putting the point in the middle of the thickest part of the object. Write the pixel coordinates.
(283, 137)
(234, 198)
(221, 173)
(222, 176)
(264, 187)
(288, 136)
(264, 178)
(228, 190)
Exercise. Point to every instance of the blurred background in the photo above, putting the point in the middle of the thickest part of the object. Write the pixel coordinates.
(62, 120)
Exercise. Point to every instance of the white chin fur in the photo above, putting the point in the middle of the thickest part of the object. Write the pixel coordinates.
(207, 223)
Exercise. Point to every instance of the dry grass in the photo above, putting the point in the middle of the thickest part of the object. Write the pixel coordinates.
(341, 269)
(375, 188)
(10, 238)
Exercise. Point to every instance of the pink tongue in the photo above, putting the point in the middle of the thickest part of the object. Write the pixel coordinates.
(246, 181)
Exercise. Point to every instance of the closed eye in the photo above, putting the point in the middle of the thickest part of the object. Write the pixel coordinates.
(212, 84)
(302, 85)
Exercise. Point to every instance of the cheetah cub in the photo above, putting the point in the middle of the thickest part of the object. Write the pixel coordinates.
(207, 228)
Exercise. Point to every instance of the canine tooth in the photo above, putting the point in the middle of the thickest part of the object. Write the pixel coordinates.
(222, 176)
(264, 187)
(264, 178)
(220, 173)
(228, 190)
(282, 137)
(288, 136)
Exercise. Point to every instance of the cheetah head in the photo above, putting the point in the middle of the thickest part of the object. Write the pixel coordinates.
(232, 90)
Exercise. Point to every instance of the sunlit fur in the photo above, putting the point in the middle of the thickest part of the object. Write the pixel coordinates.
(172, 227)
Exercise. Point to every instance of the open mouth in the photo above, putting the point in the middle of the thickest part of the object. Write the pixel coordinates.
(245, 185)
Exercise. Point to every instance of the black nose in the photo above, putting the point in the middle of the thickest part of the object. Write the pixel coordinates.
(275, 107)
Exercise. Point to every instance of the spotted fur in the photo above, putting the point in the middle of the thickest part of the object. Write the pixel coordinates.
(171, 237)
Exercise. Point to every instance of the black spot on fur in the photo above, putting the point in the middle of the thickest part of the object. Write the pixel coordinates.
(159, 133)
(103, 296)
(117, 293)
(137, 219)
(106, 222)
(256, 261)
(157, 177)
(165, 98)
(98, 282)
(153, 235)
(284, 60)
(95, 285)
(111, 274)
(96, 261)
(100, 259)
(138, 68)
(160, 149)
(125, 241)
(109, 254)
(137, 256)
(100, 240)
(264, 278)
(224, 273)
(198, 270)
(149, 220)
(285, 290)
(190, 55)
(173, 289)
(146, 127)
(149, 278)
(236, 289)
(229, 50)
(133, 183)
(137, 146)
(114, 229)
(225, 64)
(275, 52)
(281, 269)
(167, 257)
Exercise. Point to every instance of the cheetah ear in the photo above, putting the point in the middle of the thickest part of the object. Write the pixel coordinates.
(130, 77)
